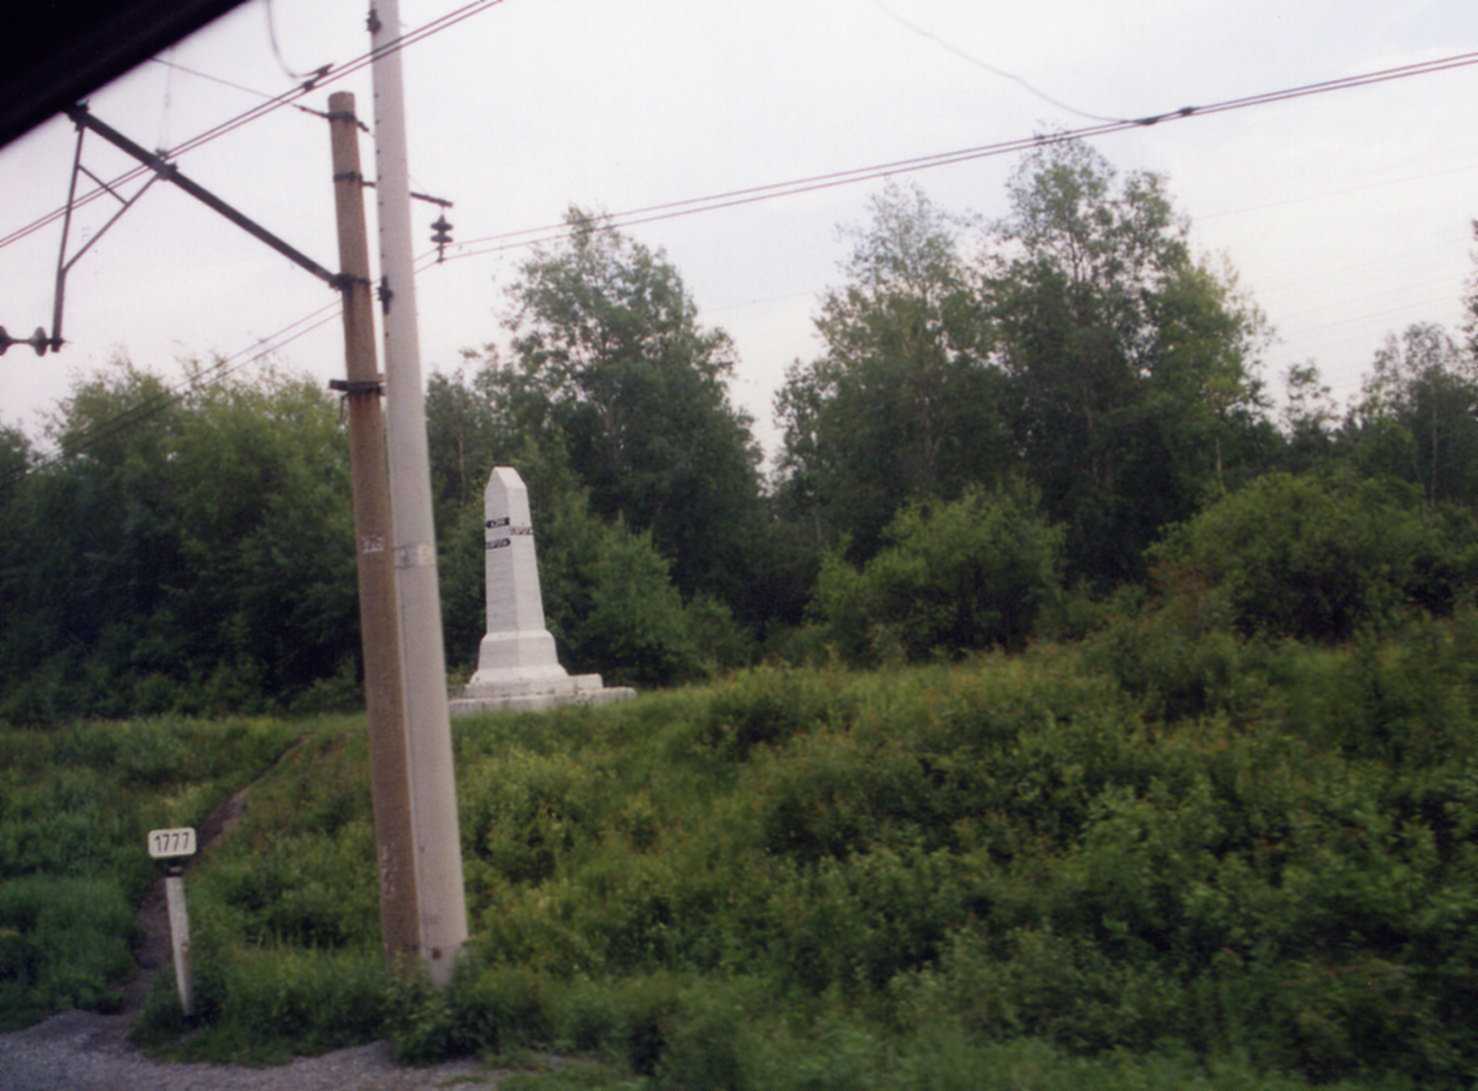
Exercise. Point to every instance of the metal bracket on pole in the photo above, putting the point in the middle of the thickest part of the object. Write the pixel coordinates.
(351, 387)
(170, 173)
(162, 168)
(63, 265)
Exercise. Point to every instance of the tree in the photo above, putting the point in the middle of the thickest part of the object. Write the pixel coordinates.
(610, 360)
(1416, 418)
(189, 552)
(87, 576)
(266, 588)
(903, 404)
(1309, 419)
(952, 577)
(16, 459)
(1131, 365)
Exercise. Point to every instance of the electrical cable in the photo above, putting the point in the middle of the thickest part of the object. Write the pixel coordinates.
(749, 195)
(330, 75)
(245, 89)
(978, 63)
(217, 372)
(213, 79)
(224, 367)
(165, 108)
(276, 49)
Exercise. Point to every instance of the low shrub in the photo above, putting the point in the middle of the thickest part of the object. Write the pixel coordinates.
(953, 577)
(1316, 557)
(1080, 866)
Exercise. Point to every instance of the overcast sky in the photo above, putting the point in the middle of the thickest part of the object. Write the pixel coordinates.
(1347, 215)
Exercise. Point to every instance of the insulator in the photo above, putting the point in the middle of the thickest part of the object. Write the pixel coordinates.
(39, 341)
(441, 231)
(5, 341)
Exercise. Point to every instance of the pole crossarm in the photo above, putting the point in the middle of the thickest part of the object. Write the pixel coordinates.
(82, 117)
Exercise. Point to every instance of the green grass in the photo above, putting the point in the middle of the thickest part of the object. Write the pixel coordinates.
(75, 804)
(1250, 866)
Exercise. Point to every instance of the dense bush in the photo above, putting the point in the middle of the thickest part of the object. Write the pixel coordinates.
(1318, 556)
(953, 577)
(198, 561)
(816, 879)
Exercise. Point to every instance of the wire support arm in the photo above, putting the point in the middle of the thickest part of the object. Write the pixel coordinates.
(82, 117)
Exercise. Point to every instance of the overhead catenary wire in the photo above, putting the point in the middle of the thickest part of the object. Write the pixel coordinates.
(970, 58)
(277, 48)
(243, 87)
(262, 109)
(304, 325)
(217, 372)
(689, 206)
(748, 195)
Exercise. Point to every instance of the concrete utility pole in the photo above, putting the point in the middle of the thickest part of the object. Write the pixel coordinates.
(442, 902)
(378, 613)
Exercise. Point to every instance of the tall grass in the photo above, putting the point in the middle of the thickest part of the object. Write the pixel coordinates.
(75, 804)
(1078, 866)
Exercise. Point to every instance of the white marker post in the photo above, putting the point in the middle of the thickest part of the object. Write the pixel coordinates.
(171, 845)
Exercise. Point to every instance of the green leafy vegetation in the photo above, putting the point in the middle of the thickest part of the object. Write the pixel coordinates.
(1222, 835)
(1009, 426)
(75, 805)
(1318, 557)
(952, 578)
(1011, 869)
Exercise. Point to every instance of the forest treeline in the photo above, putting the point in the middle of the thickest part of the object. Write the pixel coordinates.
(1028, 428)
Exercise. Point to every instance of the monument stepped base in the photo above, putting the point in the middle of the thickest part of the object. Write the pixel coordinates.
(530, 694)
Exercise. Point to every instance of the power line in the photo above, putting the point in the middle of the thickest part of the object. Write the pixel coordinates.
(227, 365)
(970, 58)
(213, 79)
(217, 372)
(689, 206)
(276, 49)
(747, 195)
(275, 102)
(245, 89)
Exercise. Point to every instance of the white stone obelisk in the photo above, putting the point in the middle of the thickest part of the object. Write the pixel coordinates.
(517, 666)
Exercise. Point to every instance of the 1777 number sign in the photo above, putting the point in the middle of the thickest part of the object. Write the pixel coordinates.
(164, 844)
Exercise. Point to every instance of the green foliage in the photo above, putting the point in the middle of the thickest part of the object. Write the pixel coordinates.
(626, 614)
(1315, 557)
(953, 577)
(75, 805)
(903, 405)
(1024, 871)
(199, 560)
(612, 364)
(1130, 365)
(269, 1003)
(1415, 417)
(64, 943)
(1085, 351)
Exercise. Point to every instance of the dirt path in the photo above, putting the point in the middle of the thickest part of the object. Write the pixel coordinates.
(82, 1051)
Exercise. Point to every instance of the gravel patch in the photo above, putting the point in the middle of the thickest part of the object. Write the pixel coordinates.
(80, 1051)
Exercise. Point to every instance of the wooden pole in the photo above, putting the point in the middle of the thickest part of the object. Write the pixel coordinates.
(379, 619)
